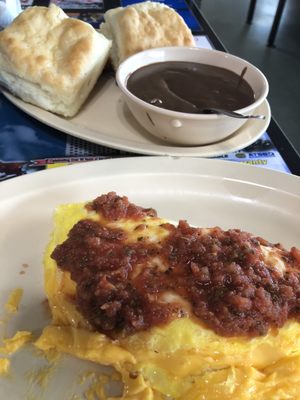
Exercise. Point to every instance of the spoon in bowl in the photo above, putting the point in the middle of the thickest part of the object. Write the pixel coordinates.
(230, 113)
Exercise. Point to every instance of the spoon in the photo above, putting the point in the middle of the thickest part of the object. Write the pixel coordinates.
(230, 113)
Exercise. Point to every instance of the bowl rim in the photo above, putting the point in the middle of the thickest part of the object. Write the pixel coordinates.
(177, 114)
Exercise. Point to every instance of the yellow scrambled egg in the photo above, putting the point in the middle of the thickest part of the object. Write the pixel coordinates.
(182, 360)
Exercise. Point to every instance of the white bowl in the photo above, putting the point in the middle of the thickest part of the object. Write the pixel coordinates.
(184, 128)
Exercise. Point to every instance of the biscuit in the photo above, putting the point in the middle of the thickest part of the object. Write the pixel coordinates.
(143, 26)
(51, 60)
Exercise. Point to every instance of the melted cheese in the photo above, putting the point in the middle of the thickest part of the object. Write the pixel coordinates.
(14, 300)
(4, 366)
(182, 360)
(273, 258)
(13, 344)
(40, 377)
(9, 346)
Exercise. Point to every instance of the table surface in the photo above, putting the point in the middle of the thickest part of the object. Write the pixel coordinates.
(27, 145)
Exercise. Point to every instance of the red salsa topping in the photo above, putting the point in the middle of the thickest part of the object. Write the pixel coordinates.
(222, 276)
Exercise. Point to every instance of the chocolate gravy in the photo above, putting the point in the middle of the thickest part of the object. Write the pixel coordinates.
(190, 87)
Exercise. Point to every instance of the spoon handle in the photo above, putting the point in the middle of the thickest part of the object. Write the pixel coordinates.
(230, 113)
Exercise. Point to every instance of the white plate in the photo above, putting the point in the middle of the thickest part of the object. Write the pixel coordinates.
(106, 120)
(205, 192)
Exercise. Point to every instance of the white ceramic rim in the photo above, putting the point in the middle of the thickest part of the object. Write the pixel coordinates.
(176, 114)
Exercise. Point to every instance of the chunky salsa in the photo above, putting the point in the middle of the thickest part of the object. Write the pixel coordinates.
(221, 276)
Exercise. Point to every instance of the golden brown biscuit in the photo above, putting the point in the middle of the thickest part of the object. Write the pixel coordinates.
(144, 26)
(51, 60)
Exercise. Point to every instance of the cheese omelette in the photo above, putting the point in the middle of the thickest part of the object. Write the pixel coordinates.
(183, 358)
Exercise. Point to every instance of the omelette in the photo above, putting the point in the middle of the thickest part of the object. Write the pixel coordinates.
(180, 312)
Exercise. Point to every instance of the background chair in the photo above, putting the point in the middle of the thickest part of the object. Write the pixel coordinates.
(276, 21)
